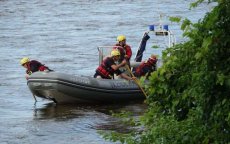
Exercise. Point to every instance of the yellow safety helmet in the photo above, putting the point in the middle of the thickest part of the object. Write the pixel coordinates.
(121, 38)
(115, 52)
(24, 60)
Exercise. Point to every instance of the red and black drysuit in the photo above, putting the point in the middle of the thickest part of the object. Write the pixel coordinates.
(146, 68)
(105, 70)
(34, 66)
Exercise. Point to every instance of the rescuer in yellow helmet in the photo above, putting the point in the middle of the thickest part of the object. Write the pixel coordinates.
(125, 49)
(32, 66)
(108, 67)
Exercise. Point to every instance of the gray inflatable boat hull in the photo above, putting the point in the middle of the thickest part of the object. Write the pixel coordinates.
(64, 88)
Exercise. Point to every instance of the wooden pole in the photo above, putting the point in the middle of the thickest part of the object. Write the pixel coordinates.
(136, 80)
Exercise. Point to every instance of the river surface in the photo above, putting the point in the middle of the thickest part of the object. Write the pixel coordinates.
(64, 35)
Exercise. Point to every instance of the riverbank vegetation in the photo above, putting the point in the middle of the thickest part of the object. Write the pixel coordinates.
(189, 96)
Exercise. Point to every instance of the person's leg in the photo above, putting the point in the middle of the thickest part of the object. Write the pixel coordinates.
(96, 75)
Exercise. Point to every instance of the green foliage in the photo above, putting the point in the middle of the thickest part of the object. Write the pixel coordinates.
(155, 46)
(189, 95)
(196, 3)
(175, 19)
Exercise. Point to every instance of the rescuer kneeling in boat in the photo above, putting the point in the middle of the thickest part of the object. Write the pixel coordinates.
(108, 67)
(32, 66)
(125, 51)
(146, 67)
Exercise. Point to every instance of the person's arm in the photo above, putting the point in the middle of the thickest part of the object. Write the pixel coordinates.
(128, 52)
(123, 75)
(115, 67)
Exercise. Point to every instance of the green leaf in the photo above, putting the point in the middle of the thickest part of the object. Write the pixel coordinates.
(155, 46)
(206, 43)
(220, 79)
(198, 55)
(175, 19)
(195, 4)
(185, 24)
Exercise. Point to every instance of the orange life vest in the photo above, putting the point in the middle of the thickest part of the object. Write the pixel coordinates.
(146, 67)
